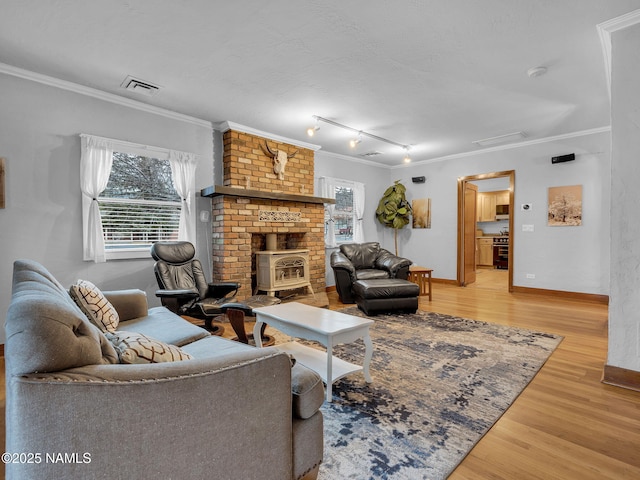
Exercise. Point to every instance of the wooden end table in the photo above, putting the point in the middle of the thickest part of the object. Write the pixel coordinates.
(421, 276)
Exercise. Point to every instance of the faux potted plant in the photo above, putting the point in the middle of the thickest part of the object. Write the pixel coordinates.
(394, 210)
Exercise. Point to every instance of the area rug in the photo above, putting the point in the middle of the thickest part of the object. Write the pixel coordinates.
(439, 384)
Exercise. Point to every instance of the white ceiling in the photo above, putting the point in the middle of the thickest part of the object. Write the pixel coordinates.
(434, 74)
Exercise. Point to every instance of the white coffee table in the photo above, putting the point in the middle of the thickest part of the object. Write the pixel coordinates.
(321, 325)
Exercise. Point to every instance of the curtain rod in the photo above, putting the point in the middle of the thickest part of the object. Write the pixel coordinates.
(139, 146)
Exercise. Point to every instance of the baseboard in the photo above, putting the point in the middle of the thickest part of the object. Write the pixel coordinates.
(621, 377)
(584, 297)
(1, 349)
(331, 288)
(446, 281)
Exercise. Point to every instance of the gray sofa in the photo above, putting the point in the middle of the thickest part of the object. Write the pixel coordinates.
(231, 411)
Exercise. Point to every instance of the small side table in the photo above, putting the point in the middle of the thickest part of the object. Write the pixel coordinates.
(421, 276)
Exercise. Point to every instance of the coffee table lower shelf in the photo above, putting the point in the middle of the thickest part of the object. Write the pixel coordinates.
(317, 360)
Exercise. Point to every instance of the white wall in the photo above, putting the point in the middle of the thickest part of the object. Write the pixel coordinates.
(624, 307)
(42, 218)
(572, 259)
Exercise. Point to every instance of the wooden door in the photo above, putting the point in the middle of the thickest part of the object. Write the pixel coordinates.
(469, 229)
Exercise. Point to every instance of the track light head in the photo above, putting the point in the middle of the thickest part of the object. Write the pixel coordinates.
(311, 131)
(407, 157)
(353, 143)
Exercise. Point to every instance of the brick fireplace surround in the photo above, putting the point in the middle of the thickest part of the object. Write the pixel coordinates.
(253, 202)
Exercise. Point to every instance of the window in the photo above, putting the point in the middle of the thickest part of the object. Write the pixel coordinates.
(343, 215)
(140, 205)
(132, 196)
(343, 221)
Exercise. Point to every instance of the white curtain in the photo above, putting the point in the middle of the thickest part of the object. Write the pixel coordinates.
(328, 190)
(183, 171)
(358, 207)
(95, 168)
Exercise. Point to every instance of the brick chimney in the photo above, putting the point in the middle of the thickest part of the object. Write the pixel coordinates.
(254, 202)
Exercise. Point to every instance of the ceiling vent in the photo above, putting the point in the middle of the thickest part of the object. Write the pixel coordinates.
(139, 86)
(509, 137)
(370, 154)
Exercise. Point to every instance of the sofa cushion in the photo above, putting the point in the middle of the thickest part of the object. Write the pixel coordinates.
(162, 324)
(95, 305)
(137, 348)
(46, 331)
(371, 274)
(213, 346)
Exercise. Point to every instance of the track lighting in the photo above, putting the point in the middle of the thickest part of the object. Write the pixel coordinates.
(407, 157)
(311, 131)
(355, 141)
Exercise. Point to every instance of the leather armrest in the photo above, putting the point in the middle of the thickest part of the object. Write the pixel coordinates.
(340, 260)
(183, 294)
(223, 289)
(390, 262)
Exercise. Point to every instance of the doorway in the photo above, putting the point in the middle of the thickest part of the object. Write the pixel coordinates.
(467, 230)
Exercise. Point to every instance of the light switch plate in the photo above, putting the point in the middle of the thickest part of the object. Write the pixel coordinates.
(527, 228)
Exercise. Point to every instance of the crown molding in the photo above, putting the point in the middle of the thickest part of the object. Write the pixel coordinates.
(227, 125)
(605, 29)
(528, 143)
(100, 95)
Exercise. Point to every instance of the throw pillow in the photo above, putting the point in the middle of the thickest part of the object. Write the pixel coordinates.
(95, 305)
(138, 348)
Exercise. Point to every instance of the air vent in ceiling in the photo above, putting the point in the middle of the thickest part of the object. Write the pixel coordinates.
(370, 154)
(139, 86)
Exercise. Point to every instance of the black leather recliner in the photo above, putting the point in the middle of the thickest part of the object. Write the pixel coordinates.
(364, 261)
(184, 289)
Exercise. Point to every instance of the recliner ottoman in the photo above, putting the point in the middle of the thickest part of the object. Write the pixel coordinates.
(386, 295)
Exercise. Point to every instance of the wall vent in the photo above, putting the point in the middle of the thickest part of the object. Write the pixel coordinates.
(139, 86)
(370, 154)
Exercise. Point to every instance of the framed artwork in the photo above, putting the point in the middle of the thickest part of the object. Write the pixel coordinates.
(565, 206)
(421, 213)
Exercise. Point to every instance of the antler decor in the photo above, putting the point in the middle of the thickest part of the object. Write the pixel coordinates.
(280, 159)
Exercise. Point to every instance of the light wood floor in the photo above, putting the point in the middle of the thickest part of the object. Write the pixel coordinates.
(566, 424)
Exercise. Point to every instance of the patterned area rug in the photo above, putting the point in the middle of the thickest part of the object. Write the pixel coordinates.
(439, 384)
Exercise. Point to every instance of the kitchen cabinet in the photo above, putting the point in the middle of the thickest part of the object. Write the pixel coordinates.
(484, 251)
(486, 204)
(486, 207)
(502, 197)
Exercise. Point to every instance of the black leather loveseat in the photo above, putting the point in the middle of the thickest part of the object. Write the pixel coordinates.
(364, 261)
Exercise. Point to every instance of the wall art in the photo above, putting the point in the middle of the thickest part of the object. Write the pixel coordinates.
(565, 206)
(421, 213)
